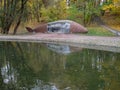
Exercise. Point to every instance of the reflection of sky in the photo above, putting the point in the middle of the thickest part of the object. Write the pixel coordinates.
(8, 74)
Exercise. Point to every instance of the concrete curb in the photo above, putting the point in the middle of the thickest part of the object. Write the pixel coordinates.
(72, 39)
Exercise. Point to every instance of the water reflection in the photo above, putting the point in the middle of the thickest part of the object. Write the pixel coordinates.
(62, 49)
(8, 74)
(32, 66)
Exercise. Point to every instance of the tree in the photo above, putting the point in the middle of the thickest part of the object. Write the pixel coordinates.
(55, 11)
(88, 8)
(11, 11)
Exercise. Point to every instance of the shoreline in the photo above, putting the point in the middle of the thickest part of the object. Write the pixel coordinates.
(92, 42)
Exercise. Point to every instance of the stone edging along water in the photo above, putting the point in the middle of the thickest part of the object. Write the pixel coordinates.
(70, 39)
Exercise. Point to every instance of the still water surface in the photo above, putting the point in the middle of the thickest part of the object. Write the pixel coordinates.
(35, 66)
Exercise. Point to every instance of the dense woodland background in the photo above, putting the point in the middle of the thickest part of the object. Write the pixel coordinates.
(14, 13)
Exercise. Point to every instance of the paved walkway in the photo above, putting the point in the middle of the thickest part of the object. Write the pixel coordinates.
(93, 42)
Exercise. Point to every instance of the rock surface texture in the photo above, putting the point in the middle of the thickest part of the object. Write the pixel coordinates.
(61, 26)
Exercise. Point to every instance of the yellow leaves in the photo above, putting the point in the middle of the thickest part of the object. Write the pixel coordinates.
(55, 12)
(107, 7)
(30, 4)
(45, 13)
(63, 4)
(115, 1)
(114, 6)
(111, 6)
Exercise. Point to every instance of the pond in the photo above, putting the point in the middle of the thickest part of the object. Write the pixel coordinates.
(40, 66)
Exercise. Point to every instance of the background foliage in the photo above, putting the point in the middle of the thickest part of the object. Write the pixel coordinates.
(13, 13)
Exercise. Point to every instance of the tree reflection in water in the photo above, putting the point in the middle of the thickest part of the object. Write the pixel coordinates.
(32, 66)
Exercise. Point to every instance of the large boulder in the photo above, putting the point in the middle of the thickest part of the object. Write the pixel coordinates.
(60, 26)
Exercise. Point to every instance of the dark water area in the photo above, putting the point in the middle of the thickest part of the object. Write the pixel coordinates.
(38, 66)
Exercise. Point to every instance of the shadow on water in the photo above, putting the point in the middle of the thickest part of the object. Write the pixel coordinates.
(35, 66)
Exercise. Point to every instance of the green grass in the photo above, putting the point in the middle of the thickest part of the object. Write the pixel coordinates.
(98, 31)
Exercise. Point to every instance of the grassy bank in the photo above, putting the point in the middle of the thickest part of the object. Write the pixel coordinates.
(98, 31)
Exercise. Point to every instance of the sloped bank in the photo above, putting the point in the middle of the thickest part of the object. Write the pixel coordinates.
(92, 42)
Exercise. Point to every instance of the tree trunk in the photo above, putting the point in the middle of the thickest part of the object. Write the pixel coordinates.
(11, 12)
(6, 26)
(84, 21)
(16, 27)
(23, 2)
